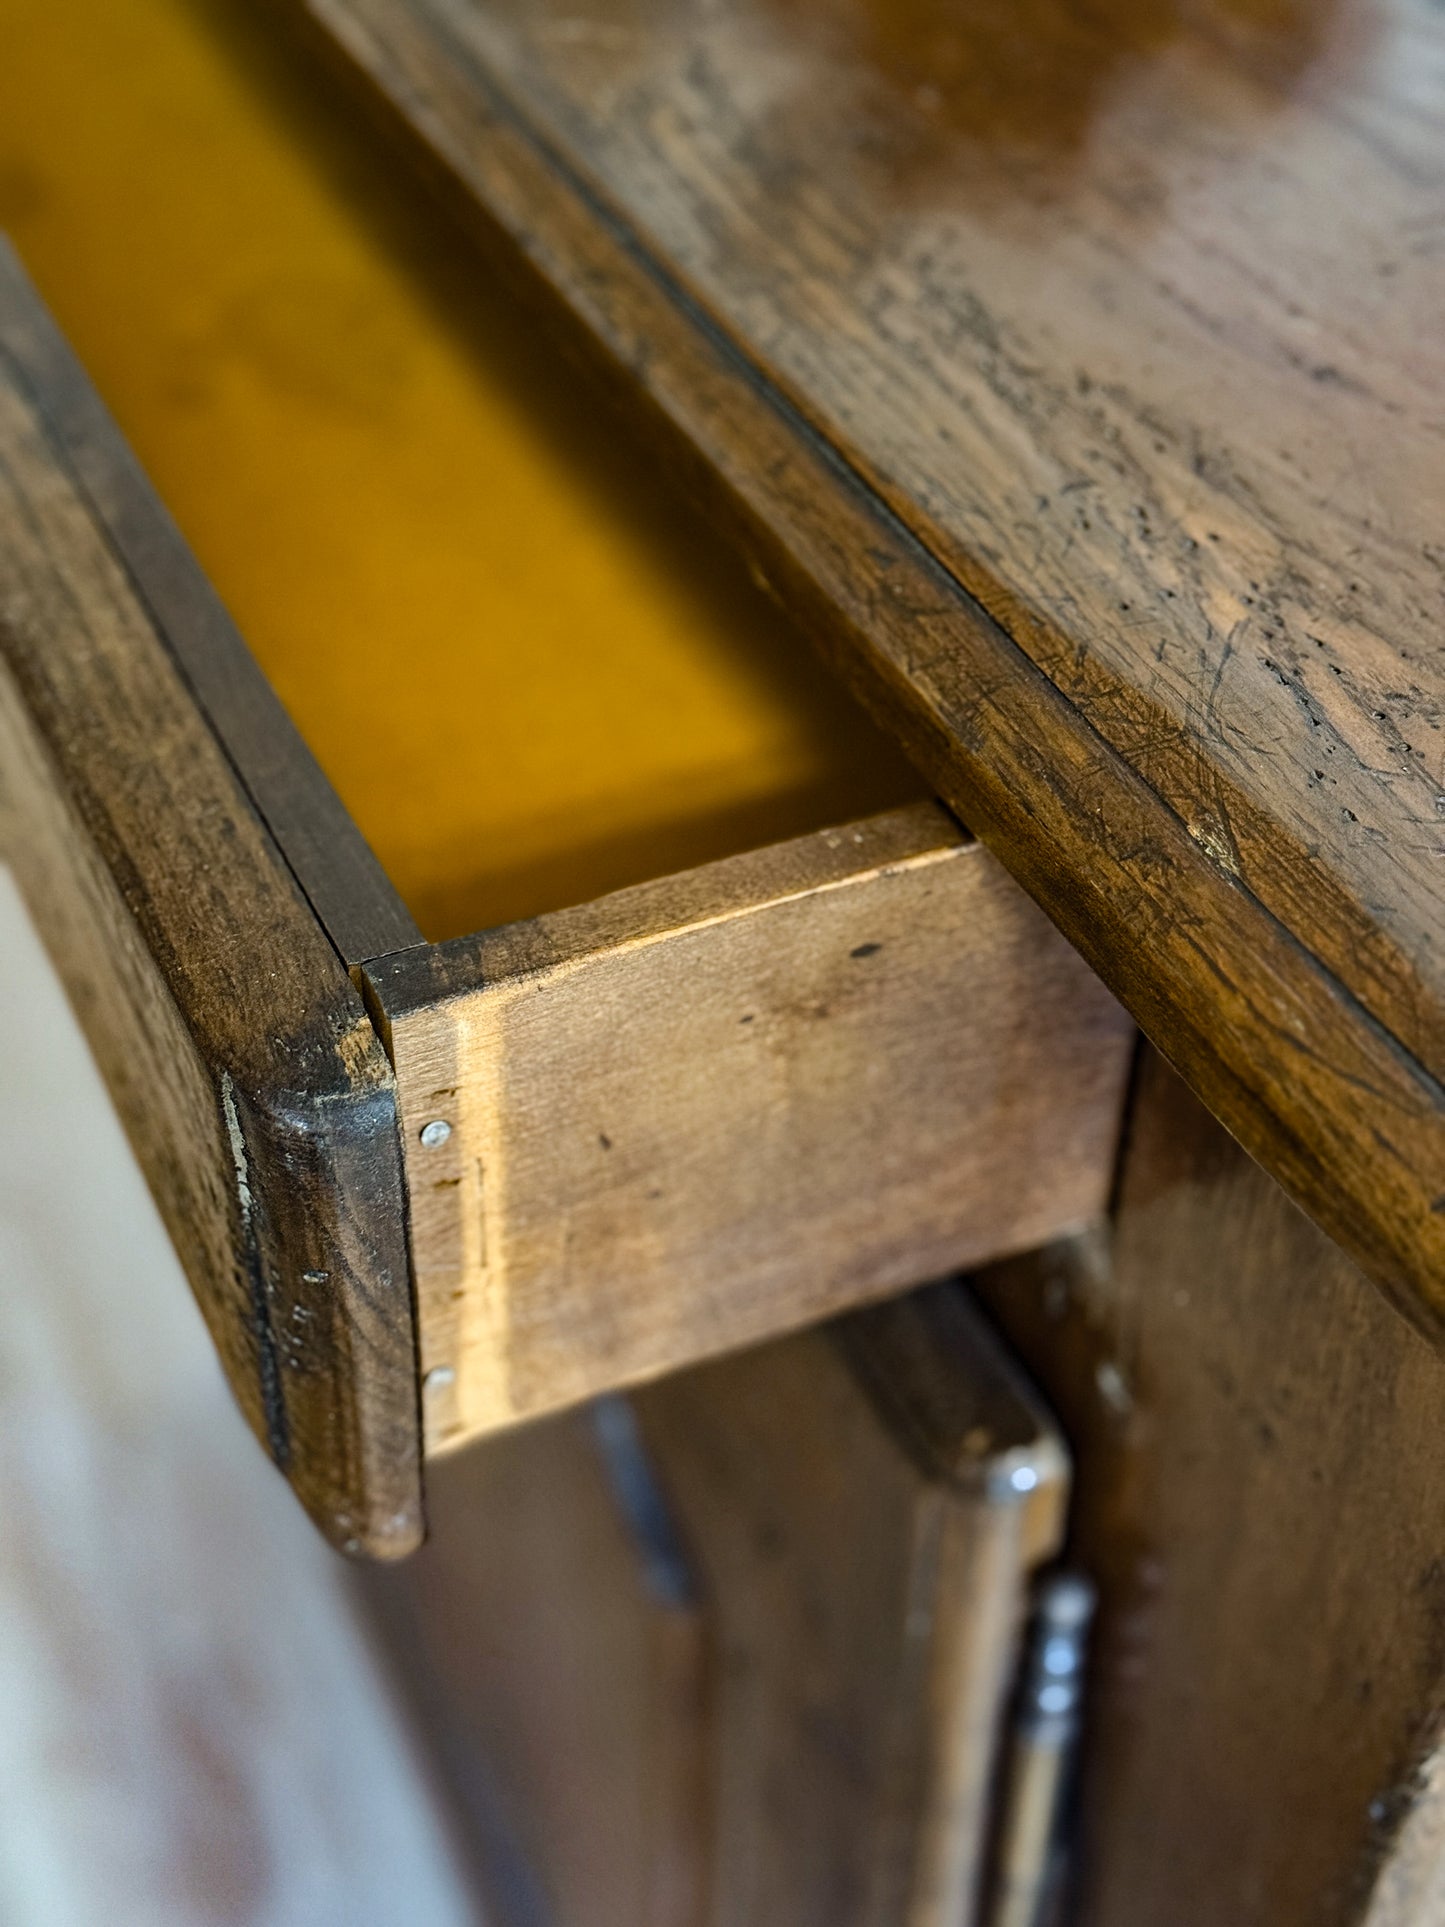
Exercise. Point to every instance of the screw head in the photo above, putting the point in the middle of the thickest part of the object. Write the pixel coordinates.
(435, 1133)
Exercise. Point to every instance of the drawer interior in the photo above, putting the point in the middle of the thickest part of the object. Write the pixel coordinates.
(529, 673)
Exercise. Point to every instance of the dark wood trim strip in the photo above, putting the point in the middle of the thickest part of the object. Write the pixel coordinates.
(258, 1098)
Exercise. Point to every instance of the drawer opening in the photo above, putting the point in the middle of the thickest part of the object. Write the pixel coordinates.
(523, 664)
(684, 1065)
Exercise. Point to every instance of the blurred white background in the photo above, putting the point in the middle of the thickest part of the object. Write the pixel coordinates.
(192, 1729)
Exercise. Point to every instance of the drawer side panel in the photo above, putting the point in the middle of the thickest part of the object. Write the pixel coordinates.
(717, 1108)
(257, 1097)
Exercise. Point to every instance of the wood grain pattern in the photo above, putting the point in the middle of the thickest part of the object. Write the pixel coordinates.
(827, 1528)
(711, 1109)
(867, 1557)
(260, 1103)
(1070, 374)
(1260, 1492)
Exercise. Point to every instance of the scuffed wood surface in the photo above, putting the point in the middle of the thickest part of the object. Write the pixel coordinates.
(254, 1090)
(708, 1110)
(1075, 373)
(192, 1730)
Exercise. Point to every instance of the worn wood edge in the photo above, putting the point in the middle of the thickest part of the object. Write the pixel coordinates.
(1241, 1008)
(1231, 819)
(340, 876)
(282, 1168)
(301, 1153)
(962, 1551)
(999, 1474)
(645, 913)
(960, 1404)
(323, 1168)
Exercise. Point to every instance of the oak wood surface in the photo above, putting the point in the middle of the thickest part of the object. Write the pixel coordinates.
(530, 673)
(259, 1101)
(1074, 374)
(824, 1531)
(1259, 1490)
(711, 1109)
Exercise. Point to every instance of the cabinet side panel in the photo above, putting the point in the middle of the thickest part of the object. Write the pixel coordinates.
(1262, 1492)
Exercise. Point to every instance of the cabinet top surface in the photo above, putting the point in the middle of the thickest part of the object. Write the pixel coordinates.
(1125, 318)
(1132, 311)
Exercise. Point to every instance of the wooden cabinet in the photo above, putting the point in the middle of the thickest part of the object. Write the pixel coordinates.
(528, 978)
(740, 1648)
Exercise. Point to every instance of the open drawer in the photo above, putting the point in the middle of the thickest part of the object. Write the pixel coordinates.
(516, 1169)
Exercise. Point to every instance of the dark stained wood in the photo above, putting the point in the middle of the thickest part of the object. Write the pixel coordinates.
(734, 1651)
(1070, 373)
(258, 1098)
(848, 1497)
(1260, 1490)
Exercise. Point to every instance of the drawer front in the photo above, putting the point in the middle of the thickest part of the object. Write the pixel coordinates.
(748, 1661)
(252, 1085)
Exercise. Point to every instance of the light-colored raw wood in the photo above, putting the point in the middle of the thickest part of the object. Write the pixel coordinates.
(742, 1639)
(705, 1111)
